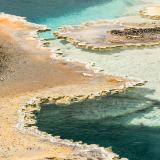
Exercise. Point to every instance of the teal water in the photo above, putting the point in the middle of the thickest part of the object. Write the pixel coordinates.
(105, 122)
(57, 13)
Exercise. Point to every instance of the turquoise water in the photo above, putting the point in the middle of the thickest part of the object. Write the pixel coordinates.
(105, 122)
(56, 13)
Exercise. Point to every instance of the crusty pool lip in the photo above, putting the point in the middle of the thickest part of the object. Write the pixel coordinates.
(27, 121)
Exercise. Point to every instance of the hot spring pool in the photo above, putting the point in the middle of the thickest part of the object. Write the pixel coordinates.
(114, 121)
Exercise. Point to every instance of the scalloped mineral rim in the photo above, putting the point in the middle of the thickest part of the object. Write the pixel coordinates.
(152, 12)
(97, 35)
(27, 122)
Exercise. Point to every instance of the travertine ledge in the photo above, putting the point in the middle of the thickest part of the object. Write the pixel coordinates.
(105, 35)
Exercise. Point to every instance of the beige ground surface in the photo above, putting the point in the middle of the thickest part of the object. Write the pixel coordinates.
(152, 12)
(29, 71)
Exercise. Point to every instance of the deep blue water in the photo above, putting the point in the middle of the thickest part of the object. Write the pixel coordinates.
(107, 122)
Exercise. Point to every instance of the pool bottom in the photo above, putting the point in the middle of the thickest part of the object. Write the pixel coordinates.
(106, 122)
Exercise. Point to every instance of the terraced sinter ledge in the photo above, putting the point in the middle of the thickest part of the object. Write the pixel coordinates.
(152, 12)
(107, 35)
